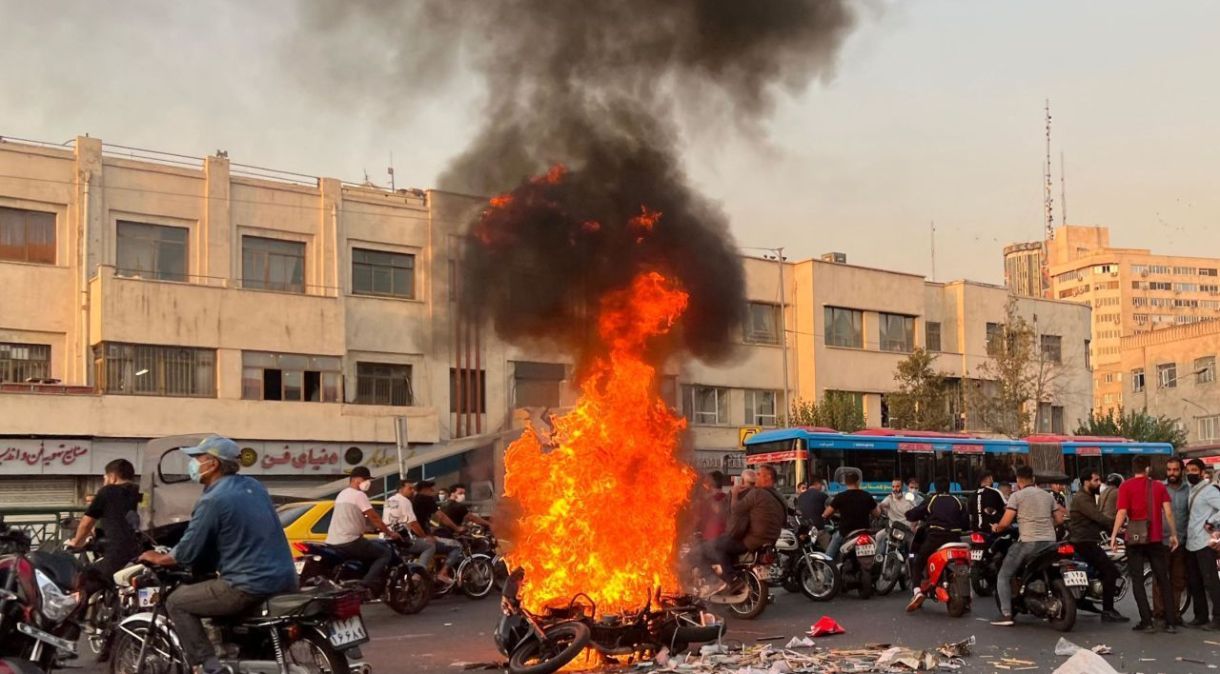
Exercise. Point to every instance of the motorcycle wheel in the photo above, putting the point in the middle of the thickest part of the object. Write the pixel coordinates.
(477, 577)
(1150, 592)
(161, 656)
(102, 617)
(313, 653)
(563, 642)
(866, 583)
(958, 605)
(981, 583)
(822, 582)
(891, 572)
(1066, 620)
(408, 592)
(756, 598)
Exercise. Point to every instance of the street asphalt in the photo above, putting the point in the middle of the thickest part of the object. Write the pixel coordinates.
(453, 632)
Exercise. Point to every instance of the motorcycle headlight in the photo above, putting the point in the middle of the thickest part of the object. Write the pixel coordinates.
(56, 604)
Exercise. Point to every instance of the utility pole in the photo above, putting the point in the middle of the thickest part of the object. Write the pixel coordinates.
(783, 326)
(1063, 190)
(933, 239)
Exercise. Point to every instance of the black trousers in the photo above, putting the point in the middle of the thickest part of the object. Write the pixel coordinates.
(377, 557)
(1096, 557)
(933, 539)
(1205, 564)
(724, 551)
(1156, 556)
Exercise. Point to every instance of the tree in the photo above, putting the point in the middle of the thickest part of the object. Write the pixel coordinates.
(1017, 376)
(1135, 425)
(838, 410)
(921, 401)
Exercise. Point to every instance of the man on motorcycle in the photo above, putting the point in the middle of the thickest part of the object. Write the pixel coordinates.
(235, 531)
(398, 512)
(812, 503)
(1087, 524)
(855, 508)
(896, 505)
(114, 508)
(944, 520)
(1036, 514)
(755, 520)
(347, 526)
(426, 507)
(987, 504)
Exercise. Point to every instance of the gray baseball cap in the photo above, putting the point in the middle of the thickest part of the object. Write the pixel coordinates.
(217, 446)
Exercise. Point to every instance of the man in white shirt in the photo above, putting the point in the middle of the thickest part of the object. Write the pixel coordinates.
(399, 513)
(896, 504)
(347, 525)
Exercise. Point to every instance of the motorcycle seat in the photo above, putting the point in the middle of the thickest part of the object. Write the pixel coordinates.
(290, 604)
(59, 567)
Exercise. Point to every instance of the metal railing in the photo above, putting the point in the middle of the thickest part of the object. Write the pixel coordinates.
(43, 524)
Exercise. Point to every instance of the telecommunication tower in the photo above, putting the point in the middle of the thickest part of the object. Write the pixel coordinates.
(1048, 184)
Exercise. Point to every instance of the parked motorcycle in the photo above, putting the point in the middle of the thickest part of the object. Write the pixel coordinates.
(857, 559)
(408, 586)
(544, 643)
(38, 609)
(800, 566)
(893, 551)
(947, 578)
(290, 632)
(1047, 586)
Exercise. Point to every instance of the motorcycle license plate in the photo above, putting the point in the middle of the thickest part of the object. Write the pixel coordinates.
(976, 555)
(1075, 579)
(869, 550)
(148, 597)
(348, 632)
(300, 564)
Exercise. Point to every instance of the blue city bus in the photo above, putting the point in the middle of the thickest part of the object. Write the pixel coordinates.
(883, 455)
(1103, 454)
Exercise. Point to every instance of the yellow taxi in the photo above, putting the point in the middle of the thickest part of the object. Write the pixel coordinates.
(309, 521)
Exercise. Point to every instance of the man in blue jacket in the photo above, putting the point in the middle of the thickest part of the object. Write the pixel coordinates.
(234, 531)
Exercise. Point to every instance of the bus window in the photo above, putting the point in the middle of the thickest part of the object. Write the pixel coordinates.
(966, 470)
(824, 463)
(875, 466)
(1003, 465)
(921, 467)
(1118, 463)
(1078, 464)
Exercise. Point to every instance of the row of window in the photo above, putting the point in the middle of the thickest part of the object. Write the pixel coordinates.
(1176, 287)
(709, 406)
(896, 332)
(1051, 346)
(1209, 428)
(1204, 372)
(1178, 271)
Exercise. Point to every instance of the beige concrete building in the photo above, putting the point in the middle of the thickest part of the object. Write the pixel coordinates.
(1131, 291)
(1172, 372)
(1025, 271)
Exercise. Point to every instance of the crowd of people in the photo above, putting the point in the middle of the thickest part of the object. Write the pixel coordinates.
(1171, 527)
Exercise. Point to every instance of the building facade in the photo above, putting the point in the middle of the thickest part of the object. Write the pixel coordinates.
(1172, 372)
(1025, 273)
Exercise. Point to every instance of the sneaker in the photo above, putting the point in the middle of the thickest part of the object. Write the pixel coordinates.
(916, 602)
(1112, 616)
(1145, 627)
(1004, 621)
(1170, 628)
(1197, 622)
(1213, 626)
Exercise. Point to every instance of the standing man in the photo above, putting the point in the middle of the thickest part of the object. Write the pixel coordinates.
(1086, 525)
(813, 501)
(1142, 499)
(1204, 518)
(944, 520)
(895, 505)
(987, 504)
(854, 506)
(1183, 576)
(347, 525)
(1036, 515)
(398, 512)
(1109, 495)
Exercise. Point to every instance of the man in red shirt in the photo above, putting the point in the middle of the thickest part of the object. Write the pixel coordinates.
(1139, 500)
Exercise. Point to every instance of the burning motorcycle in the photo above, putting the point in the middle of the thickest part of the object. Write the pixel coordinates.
(1047, 586)
(893, 551)
(408, 586)
(38, 610)
(303, 631)
(947, 578)
(544, 643)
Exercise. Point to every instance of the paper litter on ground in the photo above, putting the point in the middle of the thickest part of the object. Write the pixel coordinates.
(1085, 662)
(767, 659)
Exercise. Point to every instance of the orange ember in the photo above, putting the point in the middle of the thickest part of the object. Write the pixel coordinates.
(599, 509)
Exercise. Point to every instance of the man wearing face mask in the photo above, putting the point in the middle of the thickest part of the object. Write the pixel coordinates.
(234, 531)
(1204, 510)
(347, 526)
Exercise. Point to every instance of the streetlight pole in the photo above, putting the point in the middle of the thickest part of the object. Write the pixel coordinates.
(783, 325)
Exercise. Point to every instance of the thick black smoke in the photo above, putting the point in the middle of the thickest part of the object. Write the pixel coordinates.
(597, 87)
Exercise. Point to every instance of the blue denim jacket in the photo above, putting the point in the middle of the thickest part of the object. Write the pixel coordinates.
(234, 530)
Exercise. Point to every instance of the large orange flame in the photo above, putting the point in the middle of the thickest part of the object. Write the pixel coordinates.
(598, 510)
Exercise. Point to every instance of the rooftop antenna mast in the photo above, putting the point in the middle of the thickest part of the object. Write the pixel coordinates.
(1063, 190)
(933, 227)
(1048, 184)
(390, 170)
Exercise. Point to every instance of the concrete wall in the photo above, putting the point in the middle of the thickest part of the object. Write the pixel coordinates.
(1193, 397)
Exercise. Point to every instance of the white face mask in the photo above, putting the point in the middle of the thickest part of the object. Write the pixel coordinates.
(366, 485)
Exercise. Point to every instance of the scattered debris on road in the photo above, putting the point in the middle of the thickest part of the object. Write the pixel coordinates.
(1085, 661)
(802, 655)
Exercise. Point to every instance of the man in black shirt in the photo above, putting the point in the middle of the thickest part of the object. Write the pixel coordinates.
(458, 512)
(854, 506)
(987, 504)
(812, 502)
(944, 520)
(113, 513)
(426, 506)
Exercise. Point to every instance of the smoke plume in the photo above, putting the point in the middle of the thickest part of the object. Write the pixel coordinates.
(597, 87)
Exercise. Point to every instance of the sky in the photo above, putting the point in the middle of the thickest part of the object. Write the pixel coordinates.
(934, 114)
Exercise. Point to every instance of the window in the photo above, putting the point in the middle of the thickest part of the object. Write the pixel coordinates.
(27, 236)
(376, 272)
(537, 384)
(1167, 375)
(1205, 370)
(994, 333)
(705, 405)
(844, 327)
(1159, 285)
(762, 323)
(1052, 348)
(384, 384)
(1044, 418)
(19, 362)
(1209, 428)
(1137, 380)
(931, 335)
(1186, 287)
(285, 376)
(152, 251)
(1057, 419)
(1185, 271)
(761, 409)
(272, 264)
(142, 369)
(467, 390)
(1207, 271)
(897, 332)
(1088, 357)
